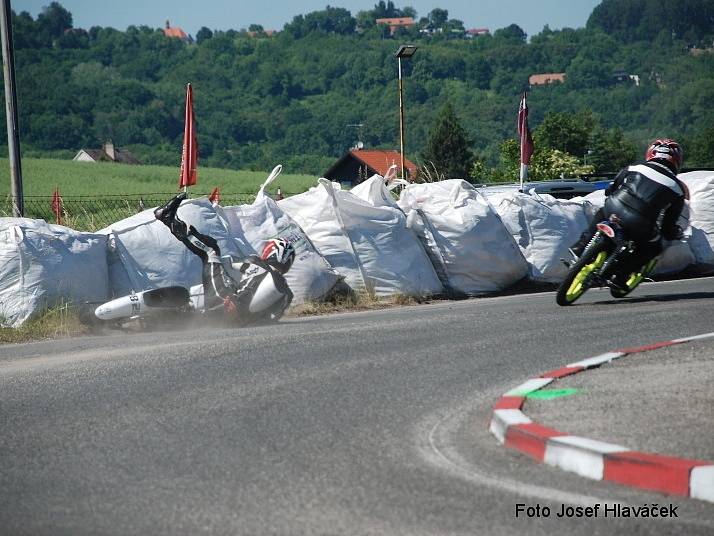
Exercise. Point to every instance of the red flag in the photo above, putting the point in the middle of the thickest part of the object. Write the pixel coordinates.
(189, 154)
(57, 206)
(524, 133)
(215, 196)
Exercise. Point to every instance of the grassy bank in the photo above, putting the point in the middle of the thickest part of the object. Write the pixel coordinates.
(42, 175)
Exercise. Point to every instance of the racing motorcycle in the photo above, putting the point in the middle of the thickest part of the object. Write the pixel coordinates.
(261, 283)
(600, 262)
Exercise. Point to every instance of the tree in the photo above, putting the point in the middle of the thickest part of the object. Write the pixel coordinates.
(447, 148)
(52, 23)
(610, 150)
(330, 20)
(566, 132)
(203, 34)
(513, 33)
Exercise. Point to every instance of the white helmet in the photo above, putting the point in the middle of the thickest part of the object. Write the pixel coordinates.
(278, 253)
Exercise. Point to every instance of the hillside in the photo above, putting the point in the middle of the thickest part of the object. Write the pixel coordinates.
(295, 97)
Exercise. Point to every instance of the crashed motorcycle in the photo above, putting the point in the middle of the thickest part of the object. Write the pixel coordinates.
(600, 262)
(261, 285)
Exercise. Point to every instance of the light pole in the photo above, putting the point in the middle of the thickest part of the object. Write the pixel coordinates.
(406, 52)
(13, 133)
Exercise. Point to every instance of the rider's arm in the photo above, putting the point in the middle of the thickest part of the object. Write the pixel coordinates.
(670, 229)
(614, 185)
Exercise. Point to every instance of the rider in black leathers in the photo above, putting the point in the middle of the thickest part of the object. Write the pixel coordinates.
(222, 291)
(647, 199)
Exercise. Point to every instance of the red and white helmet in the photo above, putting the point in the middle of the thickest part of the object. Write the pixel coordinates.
(278, 253)
(666, 151)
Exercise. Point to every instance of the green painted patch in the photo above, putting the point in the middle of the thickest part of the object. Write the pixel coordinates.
(549, 394)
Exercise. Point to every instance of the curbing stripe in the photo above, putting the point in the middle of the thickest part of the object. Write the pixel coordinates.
(579, 455)
(596, 360)
(701, 483)
(528, 387)
(695, 337)
(503, 418)
(596, 459)
(510, 402)
(530, 439)
(650, 471)
(648, 347)
(562, 372)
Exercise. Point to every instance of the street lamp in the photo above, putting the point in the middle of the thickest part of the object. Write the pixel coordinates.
(406, 52)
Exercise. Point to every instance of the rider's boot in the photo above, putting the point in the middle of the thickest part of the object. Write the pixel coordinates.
(166, 213)
(618, 282)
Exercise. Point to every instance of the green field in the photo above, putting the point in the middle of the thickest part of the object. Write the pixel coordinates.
(41, 176)
(95, 195)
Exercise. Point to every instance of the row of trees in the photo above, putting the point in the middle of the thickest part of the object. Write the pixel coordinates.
(290, 98)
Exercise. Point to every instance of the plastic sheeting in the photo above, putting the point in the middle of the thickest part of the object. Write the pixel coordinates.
(310, 277)
(701, 219)
(468, 243)
(370, 245)
(544, 227)
(44, 265)
(145, 255)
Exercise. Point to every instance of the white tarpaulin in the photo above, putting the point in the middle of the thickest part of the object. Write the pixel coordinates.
(370, 245)
(145, 255)
(310, 277)
(544, 227)
(701, 218)
(468, 243)
(44, 265)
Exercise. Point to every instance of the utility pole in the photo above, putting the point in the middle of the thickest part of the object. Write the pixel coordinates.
(406, 52)
(13, 132)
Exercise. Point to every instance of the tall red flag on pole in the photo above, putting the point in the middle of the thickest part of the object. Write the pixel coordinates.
(189, 154)
(524, 135)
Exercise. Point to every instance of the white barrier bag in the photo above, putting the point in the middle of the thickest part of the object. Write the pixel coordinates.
(310, 277)
(44, 265)
(371, 246)
(544, 228)
(701, 219)
(151, 257)
(468, 243)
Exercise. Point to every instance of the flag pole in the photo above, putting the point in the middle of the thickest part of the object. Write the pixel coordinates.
(525, 139)
(188, 175)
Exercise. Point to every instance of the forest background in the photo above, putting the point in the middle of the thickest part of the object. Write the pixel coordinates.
(305, 95)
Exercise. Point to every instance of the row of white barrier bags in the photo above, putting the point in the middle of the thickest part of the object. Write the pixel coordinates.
(438, 238)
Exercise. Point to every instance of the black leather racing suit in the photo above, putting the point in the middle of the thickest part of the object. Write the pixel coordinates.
(648, 198)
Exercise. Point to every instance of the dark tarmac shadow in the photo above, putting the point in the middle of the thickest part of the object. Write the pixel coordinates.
(657, 298)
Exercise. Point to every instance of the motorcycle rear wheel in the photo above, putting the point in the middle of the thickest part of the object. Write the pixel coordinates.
(634, 280)
(580, 274)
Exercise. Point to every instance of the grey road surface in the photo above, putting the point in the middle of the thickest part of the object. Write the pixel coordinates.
(362, 423)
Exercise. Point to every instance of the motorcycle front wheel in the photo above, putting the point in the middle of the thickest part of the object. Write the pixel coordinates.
(580, 274)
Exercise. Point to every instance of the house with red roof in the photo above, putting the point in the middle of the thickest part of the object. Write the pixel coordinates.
(475, 32)
(396, 22)
(358, 165)
(545, 78)
(175, 31)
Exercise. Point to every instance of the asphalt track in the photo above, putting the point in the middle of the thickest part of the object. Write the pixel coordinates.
(360, 423)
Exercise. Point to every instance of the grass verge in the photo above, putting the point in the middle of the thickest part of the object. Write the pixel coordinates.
(58, 322)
